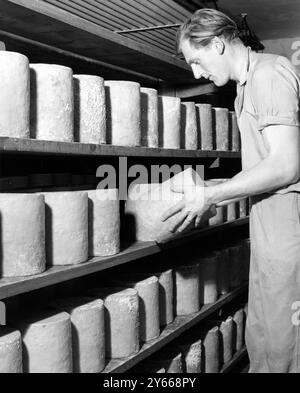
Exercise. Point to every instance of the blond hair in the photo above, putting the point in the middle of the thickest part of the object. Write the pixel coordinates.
(204, 25)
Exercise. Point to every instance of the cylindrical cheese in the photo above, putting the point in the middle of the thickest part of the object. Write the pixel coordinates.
(144, 208)
(192, 356)
(148, 291)
(14, 95)
(149, 117)
(123, 104)
(52, 102)
(169, 122)
(226, 340)
(121, 320)
(206, 126)
(89, 109)
(10, 351)
(235, 258)
(189, 131)
(223, 272)
(208, 278)
(243, 208)
(232, 213)
(211, 347)
(22, 218)
(88, 333)
(66, 227)
(47, 342)
(171, 362)
(239, 330)
(166, 297)
(234, 132)
(104, 222)
(187, 289)
(221, 125)
(166, 294)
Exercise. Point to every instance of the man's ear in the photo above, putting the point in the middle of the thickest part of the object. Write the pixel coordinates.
(218, 45)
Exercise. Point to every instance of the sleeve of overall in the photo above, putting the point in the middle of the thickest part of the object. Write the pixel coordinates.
(276, 94)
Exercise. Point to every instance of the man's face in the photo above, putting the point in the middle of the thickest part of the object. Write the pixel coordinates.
(207, 62)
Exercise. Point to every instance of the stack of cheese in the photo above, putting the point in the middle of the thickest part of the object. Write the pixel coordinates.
(204, 349)
(56, 228)
(48, 102)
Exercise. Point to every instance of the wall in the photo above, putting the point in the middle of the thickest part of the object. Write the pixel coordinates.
(288, 47)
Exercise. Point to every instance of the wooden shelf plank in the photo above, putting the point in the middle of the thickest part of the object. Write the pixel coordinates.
(48, 24)
(229, 367)
(15, 286)
(33, 146)
(172, 331)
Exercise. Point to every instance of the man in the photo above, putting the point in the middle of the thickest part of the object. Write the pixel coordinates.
(267, 106)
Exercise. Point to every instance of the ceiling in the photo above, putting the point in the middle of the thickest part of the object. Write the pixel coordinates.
(270, 19)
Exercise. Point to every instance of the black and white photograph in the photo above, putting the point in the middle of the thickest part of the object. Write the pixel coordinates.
(149, 189)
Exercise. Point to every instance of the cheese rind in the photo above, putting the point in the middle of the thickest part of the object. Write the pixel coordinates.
(66, 227)
(123, 104)
(169, 115)
(88, 333)
(221, 126)
(189, 130)
(204, 114)
(104, 222)
(121, 320)
(208, 279)
(10, 351)
(148, 291)
(14, 95)
(187, 289)
(149, 119)
(52, 102)
(89, 109)
(23, 234)
(47, 342)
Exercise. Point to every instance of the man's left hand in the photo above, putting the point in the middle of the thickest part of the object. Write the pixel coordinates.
(194, 207)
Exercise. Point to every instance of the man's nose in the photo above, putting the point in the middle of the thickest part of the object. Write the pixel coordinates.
(197, 71)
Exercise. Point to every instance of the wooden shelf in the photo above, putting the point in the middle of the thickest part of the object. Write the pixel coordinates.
(172, 331)
(15, 286)
(33, 146)
(48, 24)
(237, 358)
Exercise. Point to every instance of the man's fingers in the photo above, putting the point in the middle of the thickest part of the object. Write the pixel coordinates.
(172, 211)
(179, 221)
(198, 221)
(188, 221)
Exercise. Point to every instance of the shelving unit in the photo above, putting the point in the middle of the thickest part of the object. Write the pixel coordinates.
(43, 33)
(31, 146)
(56, 275)
(237, 358)
(172, 331)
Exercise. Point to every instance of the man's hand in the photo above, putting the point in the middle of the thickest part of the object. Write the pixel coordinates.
(194, 207)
